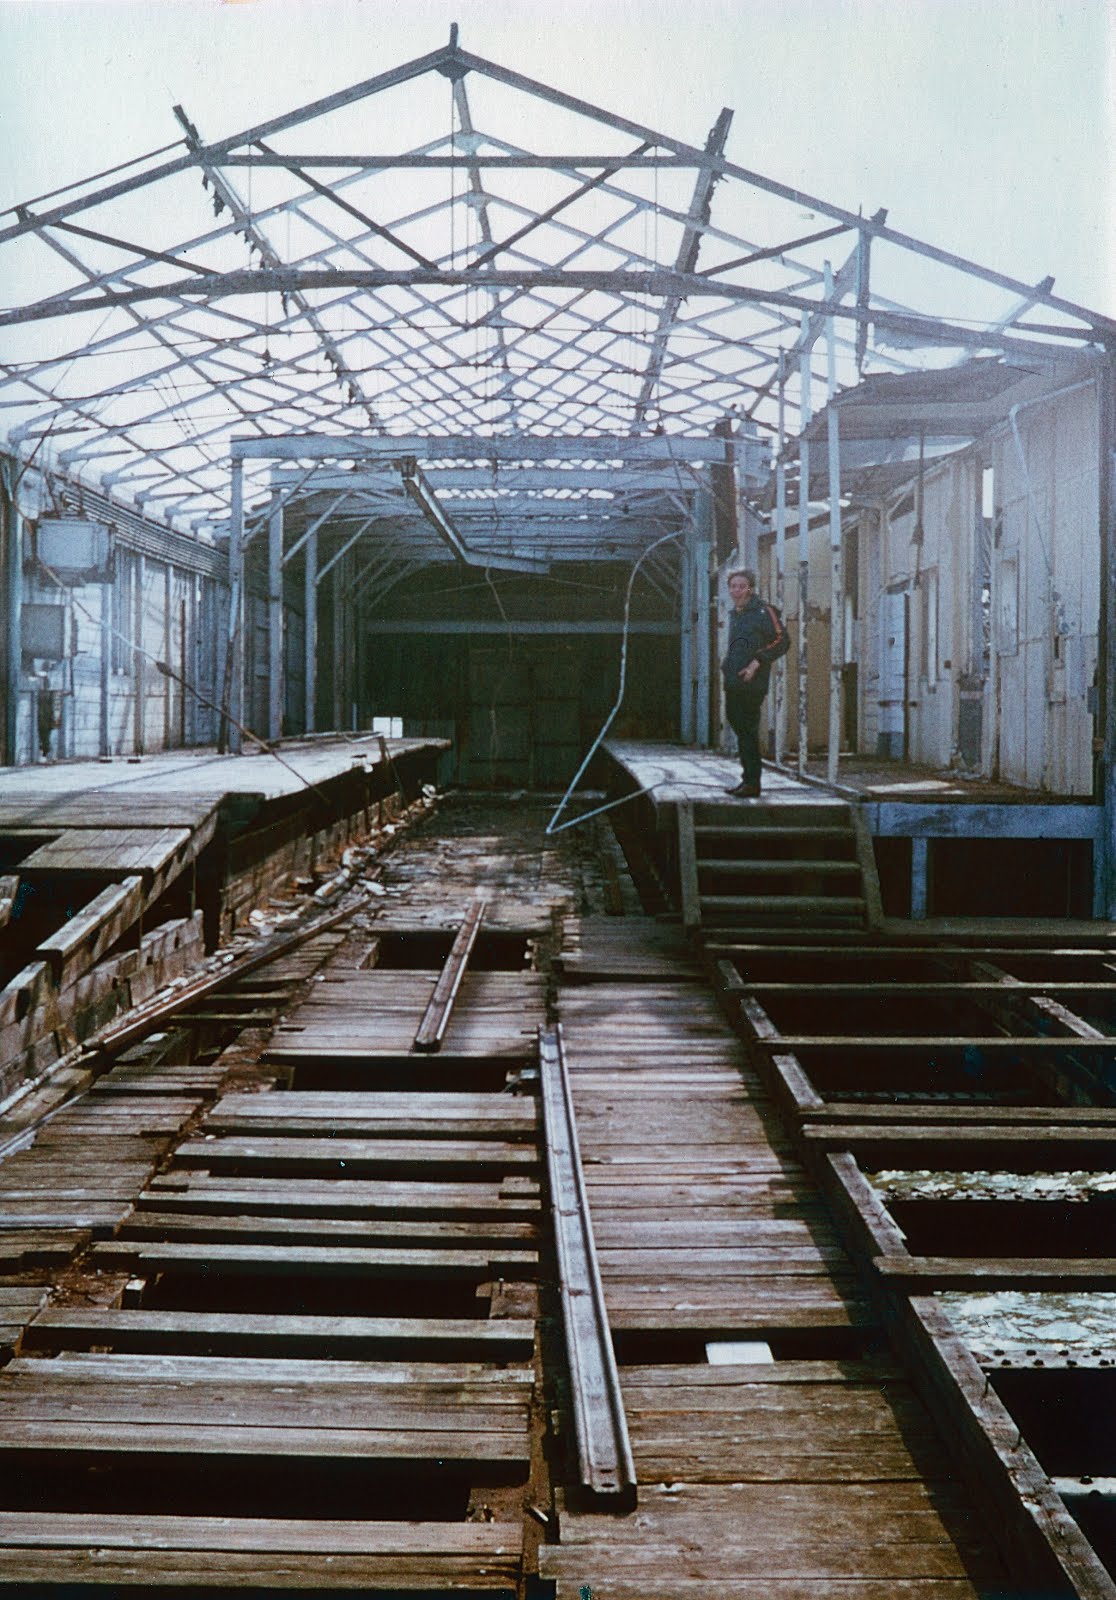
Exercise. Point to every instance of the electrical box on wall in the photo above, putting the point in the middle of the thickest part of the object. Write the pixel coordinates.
(43, 631)
(78, 550)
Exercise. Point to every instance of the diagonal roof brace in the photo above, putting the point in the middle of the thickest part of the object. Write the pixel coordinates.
(687, 263)
(428, 503)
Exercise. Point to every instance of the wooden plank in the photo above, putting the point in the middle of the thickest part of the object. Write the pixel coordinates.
(198, 1192)
(480, 1157)
(323, 1261)
(277, 1571)
(687, 867)
(9, 889)
(431, 1030)
(368, 1233)
(112, 1531)
(514, 1384)
(227, 1333)
(117, 851)
(1013, 1485)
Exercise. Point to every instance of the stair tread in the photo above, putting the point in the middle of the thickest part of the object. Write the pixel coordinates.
(783, 902)
(774, 868)
(762, 830)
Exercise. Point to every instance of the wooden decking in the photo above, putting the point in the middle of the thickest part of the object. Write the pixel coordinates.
(802, 1476)
(287, 1319)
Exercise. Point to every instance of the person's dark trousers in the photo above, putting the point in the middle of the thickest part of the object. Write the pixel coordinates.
(743, 707)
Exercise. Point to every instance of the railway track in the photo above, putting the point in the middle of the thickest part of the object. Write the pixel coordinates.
(459, 1242)
(280, 1287)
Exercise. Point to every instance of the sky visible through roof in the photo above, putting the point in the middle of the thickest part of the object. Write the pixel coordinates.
(983, 126)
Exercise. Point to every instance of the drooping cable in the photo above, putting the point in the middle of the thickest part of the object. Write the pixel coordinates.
(553, 826)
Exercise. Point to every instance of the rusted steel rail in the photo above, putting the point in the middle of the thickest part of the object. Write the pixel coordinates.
(606, 1468)
(435, 1019)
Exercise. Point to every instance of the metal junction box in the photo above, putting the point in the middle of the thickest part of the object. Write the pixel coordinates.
(43, 631)
(76, 548)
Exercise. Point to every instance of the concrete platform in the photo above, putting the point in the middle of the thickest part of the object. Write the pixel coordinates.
(116, 877)
(923, 809)
(186, 783)
(671, 774)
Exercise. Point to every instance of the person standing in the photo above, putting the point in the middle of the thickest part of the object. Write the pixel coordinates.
(757, 637)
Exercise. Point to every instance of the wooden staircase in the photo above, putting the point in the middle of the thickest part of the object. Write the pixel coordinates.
(765, 867)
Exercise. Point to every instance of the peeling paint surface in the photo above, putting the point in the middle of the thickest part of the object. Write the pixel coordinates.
(1013, 1328)
(926, 1185)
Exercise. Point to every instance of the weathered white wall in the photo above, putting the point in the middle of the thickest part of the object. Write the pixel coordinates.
(1045, 593)
(1048, 496)
(1037, 729)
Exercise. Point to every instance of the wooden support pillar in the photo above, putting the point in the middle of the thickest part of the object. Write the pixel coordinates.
(310, 558)
(837, 586)
(275, 618)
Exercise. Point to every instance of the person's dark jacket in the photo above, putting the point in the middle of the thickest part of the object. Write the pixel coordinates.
(754, 635)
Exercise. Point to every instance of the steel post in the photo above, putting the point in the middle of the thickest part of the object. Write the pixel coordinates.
(805, 413)
(686, 640)
(310, 558)
(105, 736)
(275, 618)
(14, 599)
(779, 697)
(139, 676)
(234, 697)
(1105, 867)
(837, 587)
(703, 546)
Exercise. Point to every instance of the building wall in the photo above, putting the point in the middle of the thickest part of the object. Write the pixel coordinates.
(1000, 612)
(1013, 636)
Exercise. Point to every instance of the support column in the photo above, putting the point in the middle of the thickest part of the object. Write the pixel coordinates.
(686, 640)
(1105, 876)
(105, 741)
(233, 697)
(837, 587)
(920, 854)
(275, 618)
(311, 593)
(779, 697)
(342, 653)
(14, 631)
(168, 655)
(139, 676)
(806, 412)
(197, 714)
(703, 545)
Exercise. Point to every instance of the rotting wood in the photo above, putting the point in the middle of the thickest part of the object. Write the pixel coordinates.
(82, 941)
(431, 1030)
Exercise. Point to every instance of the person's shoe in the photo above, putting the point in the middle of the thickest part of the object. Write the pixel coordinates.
(745, 791)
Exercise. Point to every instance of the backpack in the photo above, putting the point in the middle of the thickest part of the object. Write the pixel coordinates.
(780, 645)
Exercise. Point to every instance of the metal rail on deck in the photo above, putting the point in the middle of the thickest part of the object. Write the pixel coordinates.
(439, 1009)
(606, 1469)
